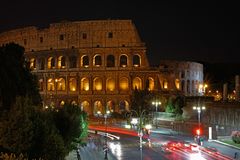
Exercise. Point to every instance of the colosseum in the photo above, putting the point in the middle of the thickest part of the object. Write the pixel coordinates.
(97, 64)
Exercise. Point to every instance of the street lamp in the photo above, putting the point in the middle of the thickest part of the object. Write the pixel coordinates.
(105, 146)
(140, 132)
(199, 109)
(156, 103)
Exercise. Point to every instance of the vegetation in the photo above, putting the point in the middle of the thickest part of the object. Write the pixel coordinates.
(26, 130)
(175, 106)
(236, 137)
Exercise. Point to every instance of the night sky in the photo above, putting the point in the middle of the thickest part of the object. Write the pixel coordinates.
(200, 31)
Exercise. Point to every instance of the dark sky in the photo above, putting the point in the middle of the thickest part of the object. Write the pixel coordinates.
(199, 31)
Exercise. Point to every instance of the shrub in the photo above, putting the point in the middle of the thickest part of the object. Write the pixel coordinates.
(236, 136)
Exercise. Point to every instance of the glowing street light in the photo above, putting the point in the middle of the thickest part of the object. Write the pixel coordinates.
(156, 103)
(199, 109)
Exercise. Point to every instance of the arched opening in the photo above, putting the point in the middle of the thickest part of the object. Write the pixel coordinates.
(177, 83)
(61, 62)
(73, 62)
(165, 84)
(110, 61)
(40, 84)
(98, 107)
(32, 63)
(97, 84)
(74, 103)
(85, 106)
(41, 63)
(72, 84)
(110, 84)
(136, 60)
(111, 106)
(97, 60)
(137, 83)
(51, 63)
(61, 84)
(123, 84)
(123, 106)
(85, 84)
(50, 85)
(85, 61)
(150, 83)
(123, 61)
(62, 103)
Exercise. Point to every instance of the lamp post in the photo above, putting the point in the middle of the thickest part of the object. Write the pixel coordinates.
(140, 132)
(199, 109)
(105, 145)
(156, 103)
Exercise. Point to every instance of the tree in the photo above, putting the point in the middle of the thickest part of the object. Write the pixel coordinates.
(170, 108)
(16, 78)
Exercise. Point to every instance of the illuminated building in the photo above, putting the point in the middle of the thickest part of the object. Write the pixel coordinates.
(95, 64)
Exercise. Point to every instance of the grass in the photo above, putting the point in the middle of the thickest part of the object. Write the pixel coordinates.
(231, 143)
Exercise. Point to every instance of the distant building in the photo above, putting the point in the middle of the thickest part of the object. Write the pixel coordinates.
(97, 64)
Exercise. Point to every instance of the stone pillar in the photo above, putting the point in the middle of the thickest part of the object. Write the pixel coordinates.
(237, 87)
(225, 91)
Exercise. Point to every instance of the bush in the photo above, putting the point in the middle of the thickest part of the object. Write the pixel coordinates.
(236, 136)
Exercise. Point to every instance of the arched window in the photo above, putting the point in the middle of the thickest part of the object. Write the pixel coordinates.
(111, 106)
(73, 62)
(61, 62)
(50, 85)
(97, 61)
(123, 61)
(123, 106)
(177, 83)
(72, 84)
(137, 83)
(123, 84)
(150, 83)
(85, 106)
(165, 84)
(110, 61)
(85, 84)
(41, 63)
(62, 103)
(110, 84)
(40, 84)
(51, 63)
(98, 107)
(97, 84)
(85, 61)
(32, 63)
(136, 60)
(61, 84)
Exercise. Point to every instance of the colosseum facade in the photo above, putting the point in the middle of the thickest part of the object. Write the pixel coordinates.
(94, 64)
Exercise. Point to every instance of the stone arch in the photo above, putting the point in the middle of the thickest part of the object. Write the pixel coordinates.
(84, 61)
(97, 84)
(111, 106)
(165, 84)
(51, 63)
(85, 84)
(150, 83)
(32, 63)
(110, 61)
(123, 60)
(50, 84)
(98, 107)
(177, 83)
(123, 106)
(61, 62)
(136, 60)
(73, 84)
(137, 83)
(110, 84)
(61, 85)
(97, 60)
(123, 84)
(85, 106)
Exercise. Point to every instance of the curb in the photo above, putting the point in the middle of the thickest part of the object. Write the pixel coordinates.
(229, 145)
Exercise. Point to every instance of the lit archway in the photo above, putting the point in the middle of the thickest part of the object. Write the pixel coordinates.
(84, 61)
(111, 106)
(61, 84)
(32, 63)
(51, 63)
(123, 106)
(85, 84)
(136, 60)
(123, 61)
(150, 83)
(50, 85)
(123, 84)
(137, 83)
(97, 60)
(97, 84)
(177, 83)
(98, 107)
(61, 62)
(86, 107)
(110, 83)
(72, 84)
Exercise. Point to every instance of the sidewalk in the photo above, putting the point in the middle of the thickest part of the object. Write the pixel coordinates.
(223, 143)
